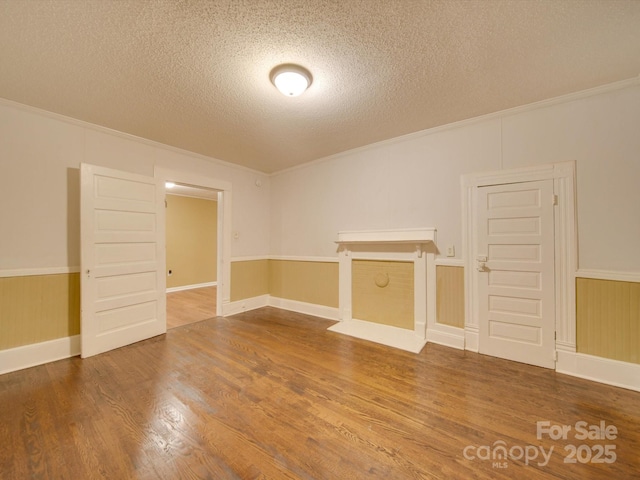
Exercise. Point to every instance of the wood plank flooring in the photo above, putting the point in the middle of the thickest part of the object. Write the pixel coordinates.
(273, 394)
(189, 306)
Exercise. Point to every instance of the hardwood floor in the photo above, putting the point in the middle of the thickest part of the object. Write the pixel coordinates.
(189, 306)
(273, 394)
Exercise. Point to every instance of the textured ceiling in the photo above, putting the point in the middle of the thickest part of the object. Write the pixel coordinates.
(195, 74)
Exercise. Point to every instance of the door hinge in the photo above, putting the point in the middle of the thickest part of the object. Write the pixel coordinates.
(165, 203)
(555, 355)
(555, 199)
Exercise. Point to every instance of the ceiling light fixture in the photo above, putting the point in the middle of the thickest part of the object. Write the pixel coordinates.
(169, 184)
(290, 79)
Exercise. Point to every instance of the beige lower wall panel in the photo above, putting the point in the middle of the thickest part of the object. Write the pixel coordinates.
(192, 240)
(450, 295)
(309, 282)
(608, 319)
(249, 279)
(38, 308)
(391, 304)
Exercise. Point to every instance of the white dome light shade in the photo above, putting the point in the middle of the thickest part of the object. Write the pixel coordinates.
(291, 80)
(169, 184)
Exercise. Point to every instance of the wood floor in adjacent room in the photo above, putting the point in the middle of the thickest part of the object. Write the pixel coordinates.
(190, 306)
(273, 394)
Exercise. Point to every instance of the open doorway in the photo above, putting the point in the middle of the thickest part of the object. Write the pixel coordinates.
(213, 188)
(191, 253)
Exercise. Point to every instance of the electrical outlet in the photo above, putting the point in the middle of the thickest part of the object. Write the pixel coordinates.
(451, 251)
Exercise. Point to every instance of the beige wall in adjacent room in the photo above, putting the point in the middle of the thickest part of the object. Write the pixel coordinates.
(390, 304)
(309, 282)
(249, 279)
(192, 240)
(608, 319)
(450, 295)
(38, 308)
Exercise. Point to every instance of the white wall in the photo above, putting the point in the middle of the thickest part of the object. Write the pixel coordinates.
(602, 133)
(415, 181)
(409, 182)
(40, 156)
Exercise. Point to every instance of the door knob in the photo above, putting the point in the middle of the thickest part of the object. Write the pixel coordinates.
(481, 266)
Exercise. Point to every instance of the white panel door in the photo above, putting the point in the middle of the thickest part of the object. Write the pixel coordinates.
(515, 268)
(122, 265)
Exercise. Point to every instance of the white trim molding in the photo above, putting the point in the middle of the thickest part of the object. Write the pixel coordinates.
(127, 136)
(191, 287)
(297, 258)
(598, 369)
(254, 258)
(449, 262)
(471, 338)
(244, 305)
(322, 311)
(570, 97)
(617, 276)
(223, 275)
(566, 251)
(413, 236)
(36, 272)
(286, 258)
(446, 335)
(27, 356)
(253, 303)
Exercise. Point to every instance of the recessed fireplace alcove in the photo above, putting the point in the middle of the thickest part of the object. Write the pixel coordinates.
(414, 246)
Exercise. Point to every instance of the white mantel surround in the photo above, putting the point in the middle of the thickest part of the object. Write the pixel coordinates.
(415, 245)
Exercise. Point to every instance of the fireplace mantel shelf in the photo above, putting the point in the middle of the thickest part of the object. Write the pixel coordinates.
(413, 236)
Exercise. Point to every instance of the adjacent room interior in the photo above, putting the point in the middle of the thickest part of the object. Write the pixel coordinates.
(191, 253)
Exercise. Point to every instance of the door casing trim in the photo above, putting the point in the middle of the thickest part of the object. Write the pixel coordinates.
(563, 175)
(162, 175)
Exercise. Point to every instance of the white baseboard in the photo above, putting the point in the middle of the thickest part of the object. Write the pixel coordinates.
(233, 308)
(598, 369)
(247, 304)
(447, 336)
(34, 354)
(471, 340)
(384, 334)
(321, 311)
(191, 287)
